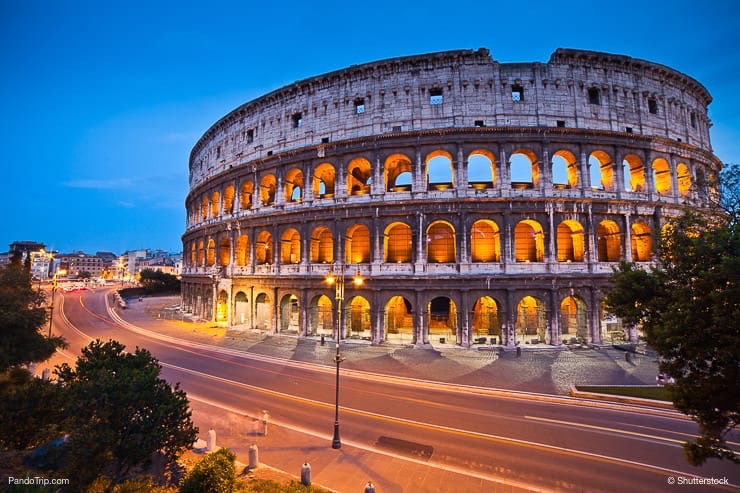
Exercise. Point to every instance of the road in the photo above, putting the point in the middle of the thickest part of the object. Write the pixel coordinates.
(409, 435)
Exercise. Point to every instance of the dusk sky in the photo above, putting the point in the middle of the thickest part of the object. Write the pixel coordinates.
(102, 101)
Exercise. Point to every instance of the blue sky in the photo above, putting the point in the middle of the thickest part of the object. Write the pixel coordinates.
(103, 100)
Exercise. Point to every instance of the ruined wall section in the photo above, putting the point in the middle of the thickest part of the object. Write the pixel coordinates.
(575, 89)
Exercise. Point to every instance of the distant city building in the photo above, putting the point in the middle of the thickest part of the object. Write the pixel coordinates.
(78, 262)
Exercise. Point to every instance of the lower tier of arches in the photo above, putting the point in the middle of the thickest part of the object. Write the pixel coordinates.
(465, 312)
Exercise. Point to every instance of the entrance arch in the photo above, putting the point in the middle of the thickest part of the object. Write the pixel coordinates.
(241, 309)
(222, 307)
(290, 315)
(531, 321)
(486, 318)
(573, 320)
(442, 320)
(399, 321)
(263, 309)
(357, 319)
(321, 316)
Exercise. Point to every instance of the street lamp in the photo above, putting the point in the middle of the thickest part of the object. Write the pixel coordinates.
(338, 283)
(53, 292)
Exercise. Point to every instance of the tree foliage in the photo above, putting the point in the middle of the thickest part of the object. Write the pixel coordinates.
(154, 281)
(689, 310)
(215, 473)
(22, 318)
(119, 413)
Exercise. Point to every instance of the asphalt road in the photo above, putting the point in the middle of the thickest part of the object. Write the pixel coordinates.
(406, 435)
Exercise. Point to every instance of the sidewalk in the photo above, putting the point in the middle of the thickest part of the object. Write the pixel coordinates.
(348, 469)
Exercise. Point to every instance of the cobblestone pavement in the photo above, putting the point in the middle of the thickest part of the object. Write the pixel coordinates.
(537, 369)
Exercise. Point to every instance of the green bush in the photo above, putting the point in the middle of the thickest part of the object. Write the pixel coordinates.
(215, 473)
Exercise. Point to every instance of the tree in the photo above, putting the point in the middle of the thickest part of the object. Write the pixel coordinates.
(22, 317)
(155, 281)
(215, 473)
(689, 309)
(119, 413)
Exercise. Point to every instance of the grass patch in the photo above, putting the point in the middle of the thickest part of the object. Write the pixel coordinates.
(657, 393)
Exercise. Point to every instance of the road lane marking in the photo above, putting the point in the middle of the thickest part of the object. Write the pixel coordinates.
(605, 429)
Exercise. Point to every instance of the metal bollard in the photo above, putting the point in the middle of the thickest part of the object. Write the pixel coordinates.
(253, 456)
(45, 375)
(306, 474)
(518, 351)
(369, 487)
(211, 441)
(265, 419)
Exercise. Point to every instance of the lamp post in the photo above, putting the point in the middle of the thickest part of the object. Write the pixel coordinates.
(53, 292)
(338, 283)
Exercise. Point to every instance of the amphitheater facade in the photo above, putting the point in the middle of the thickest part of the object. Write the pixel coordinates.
(480, 202)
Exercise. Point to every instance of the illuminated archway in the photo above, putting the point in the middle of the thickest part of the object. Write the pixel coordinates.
(322, 245)
(570, 241)
(486, 318)
(267, 189)
(440, 243)
(531, 321)
(564, 170)
(684, 179)
(359, 176)
(224, 251)
(263, 312)
(263, 248)
(222, 307)
(573, 320)
(602, 171)
(485, 241)
(215, 202)
(662, 176)
(321, 316)
(608, 241)
(245, 195)
(290, 314)
(241, 252)
(398, 173)
(290, 247)
(634, 176)
(642, 242)
(525, 169)
(529, 242)
(397, 243)
(294, 185)
(211, 252)
(357, 244)
(229, 199)
(357, 318)
(481, 169)
(399, 321)
(440, 173)
(241, 308)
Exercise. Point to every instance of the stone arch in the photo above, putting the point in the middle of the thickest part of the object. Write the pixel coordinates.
(398, 173)
(439, 170)
(229, 199)
(570, 241)
(290, 247)
(290, 314)
(602, 170)
(564, 169)
(399, 321)
(215, 204)
(359, 176)
(268, 186)
(608, 241)
(529, 241)
(322, 245)
(294, 185)
(442, 320)
(241, 308)
(357, 318)
(324, 181)
(481, 169)
(531, 320)
(193, 254)
(263, 312)
(224, 251)
(525, 169)
(357, 244)
(263, 248)
(222, 306)
(634, 176)
(246, 192)
(485, 241)
(321, 316)
(573, 320)
(241, 252)
(204, 207)
(440, 242)
(211, 252)
(487, 318)
(201, 254)
(397, 243)
(683, 176)
(642, 242)
(662, 176)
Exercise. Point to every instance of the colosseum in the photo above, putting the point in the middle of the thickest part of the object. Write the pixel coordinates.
(465, 201)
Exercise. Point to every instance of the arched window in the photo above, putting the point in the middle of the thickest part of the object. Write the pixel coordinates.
(602, 171)
(634, 175)
(398, 173)
(684, 179)
(359, 176)
(322, 245)
(662, 175)
(570, 243)
(397, 243)
(324, 178)
(642, 242)
(229, 199)
(294, 185)
(241, 252)
(485, 242)
(201, 255)
(608, 241)
(525, 169)
(440, 243)
(246, 192)
(215, 203)
(267, 189)
(290, 247)
(439, 171)
(193, 254)
(529, 243)
(564, 170)
(211, 252)
(481, 169)
(224, 251)
(204, 208)
(263, 248)
(357, 246)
